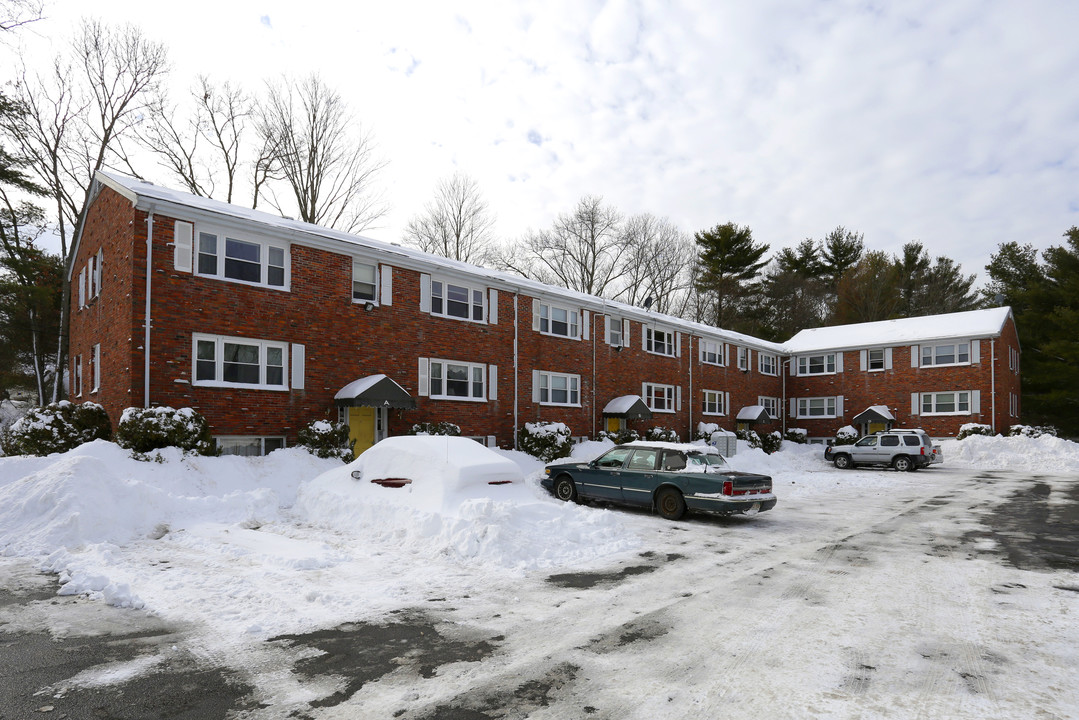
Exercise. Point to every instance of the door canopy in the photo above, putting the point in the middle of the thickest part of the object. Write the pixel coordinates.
(374, 391)
(631, 407)
(754, 414)
(874, 414)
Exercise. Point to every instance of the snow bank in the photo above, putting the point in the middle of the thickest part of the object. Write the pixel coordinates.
(1041, 454)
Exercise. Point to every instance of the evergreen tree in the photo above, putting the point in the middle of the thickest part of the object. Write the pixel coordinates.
(868, 291)
(729, 267)
(928, 287)
(840, 251)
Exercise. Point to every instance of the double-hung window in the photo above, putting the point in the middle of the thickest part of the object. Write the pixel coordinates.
(76, 380)
(659, 398)
(559, 389)
(766, 364)
(242, 260)
(954, 354)
(816, 364)
(714, 403)
(239, 362)
(711, 352)
(555, 320)
(95, 369)
(946, 403)
(770, 405)
(457, 301)
(660, 342)
(364, 285)
(816, 407)
(875, 359)
(451, 380)
(743, 358)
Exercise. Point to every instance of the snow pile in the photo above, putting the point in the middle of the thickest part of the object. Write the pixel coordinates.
(1041, 454)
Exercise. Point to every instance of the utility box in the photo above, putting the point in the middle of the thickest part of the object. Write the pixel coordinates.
(725, 441)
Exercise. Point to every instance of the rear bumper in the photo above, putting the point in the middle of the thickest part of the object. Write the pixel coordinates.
(726, 505)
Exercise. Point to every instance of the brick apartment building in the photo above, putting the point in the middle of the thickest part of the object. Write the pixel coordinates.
(264, 324)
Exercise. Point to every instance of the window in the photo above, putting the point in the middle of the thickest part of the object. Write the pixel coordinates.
(614, 332)
(1013, 405)
(95, 369)
(660, 342)
(643, 459)
(770, 405)
(456, 301)
(816, 407)
(711, 352)
(614, 459)
(554, 320)
(958, 354)
(946, 403)
(559, 389)
(766, 364)
(98, 270)
(76, 378)
(659, 398)
(713, 403)
(875, 359)
(743, 358)
(1013, 359)
(247, 261)
(248, 446)
(816, 364)
(457, 381)
(363, 281)
(222, 361)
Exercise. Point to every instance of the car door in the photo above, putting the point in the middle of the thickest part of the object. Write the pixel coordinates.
(603, 478)
(865, 450)
(639, 477)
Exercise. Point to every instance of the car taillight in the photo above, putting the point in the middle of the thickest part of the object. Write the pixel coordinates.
(923, 449)
(728, 487)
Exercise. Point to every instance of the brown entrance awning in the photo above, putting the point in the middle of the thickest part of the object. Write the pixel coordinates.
(631, 407)
(874, 414)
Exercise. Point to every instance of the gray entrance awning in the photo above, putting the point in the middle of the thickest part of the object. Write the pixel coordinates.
(631, 407)
(374, 391)
(754, 414)
(874, 414)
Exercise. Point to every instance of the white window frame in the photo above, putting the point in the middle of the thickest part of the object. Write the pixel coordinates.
(767, 364)
(959, 399)
(651, 341)
(743, 357)
(806, 404)
(711, 352)
(617, 331)
(573, 388)
(770, 405)
(713, 402)
(441, 374)
(220, 257)
(220, 441)
(95, 369)
(440, 296)
(933, 353)
(546, 319)
(76, 381)
(881, 362)
(219, 342)
(652, 391)
(828, 361)
(357, 263)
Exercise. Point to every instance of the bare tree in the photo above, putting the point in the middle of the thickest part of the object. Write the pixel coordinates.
(457, 223)
(16, 13)
(582, 251)
(328, 170)
(657, 258)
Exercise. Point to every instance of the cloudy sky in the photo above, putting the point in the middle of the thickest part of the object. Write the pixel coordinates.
(952, 122)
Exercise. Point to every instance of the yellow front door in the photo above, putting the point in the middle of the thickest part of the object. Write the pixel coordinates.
(615, 424)
(876, 427)
(361, 428)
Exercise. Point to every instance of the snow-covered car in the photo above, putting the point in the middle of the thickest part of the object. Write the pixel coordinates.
(902, 449)
(453, 463)
(671, 478)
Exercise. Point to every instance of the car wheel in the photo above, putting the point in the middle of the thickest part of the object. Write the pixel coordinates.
(842, 461)
(564, 489)
(670, 503)
(902, 463)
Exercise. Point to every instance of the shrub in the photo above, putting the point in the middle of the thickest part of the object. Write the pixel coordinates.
(57, 427)
(622, 436)
(545, 440)
(327, 440)
(1032, 431)
(704, 431)
(661, 434)
(968, 429)
(436, 428)
(796, 435)
(144, 429)
(771, 442)
(846, 435)
(749, 436)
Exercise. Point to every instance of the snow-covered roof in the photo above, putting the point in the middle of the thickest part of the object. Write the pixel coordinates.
(874, 413)
(147, 196)
(752, 413)
(358, 387)
(621, 404)
(970, 324)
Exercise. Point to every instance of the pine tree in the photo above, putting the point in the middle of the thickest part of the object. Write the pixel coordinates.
(729, 266)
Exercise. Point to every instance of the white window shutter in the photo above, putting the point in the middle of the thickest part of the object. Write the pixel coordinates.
(492, 307)
(644, 337)
(976, 401)
(91, 276)
(625, 332)
(183, 241)
(607, 329)
(975, 351)
(726, 354)
(915, 351)
(535, 386)
(863, 360)
(425, 293)
(586, 322)
(794, 366)
(839, 406)
(424, 386)
(386, 295)
(491, 442)
(678, 398)
(298, 362)
(915, 404)
(839, 362)
(678, 344)
(644, 393)
(535, 314)
(492, 383)
(726, 403)
(794, 407)
(97, 268)
(887, 358)
(82, 288)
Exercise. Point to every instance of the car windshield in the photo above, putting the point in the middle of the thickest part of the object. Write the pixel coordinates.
(699, 462)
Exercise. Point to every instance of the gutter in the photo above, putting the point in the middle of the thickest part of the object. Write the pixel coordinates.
(993, 383)
(146, 320)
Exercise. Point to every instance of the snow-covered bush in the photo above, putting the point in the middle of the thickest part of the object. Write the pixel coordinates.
(622, 436)
(705, 430)
(57, 427)
(435, 428)
(749, 436)
(968, 429)
(545, 440)
(796, 435)
(1032, 431)
(846, 435)
(326, 440)
(661, 434)
(771, 442)
(142, 430)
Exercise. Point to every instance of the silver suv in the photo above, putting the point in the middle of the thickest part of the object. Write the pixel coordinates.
(902, 449)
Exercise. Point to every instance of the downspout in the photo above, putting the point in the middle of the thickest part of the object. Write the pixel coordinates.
(592, 321)
(783, 400)
(516, 379)
(691, 396)
(993, 382)
(146, 321)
